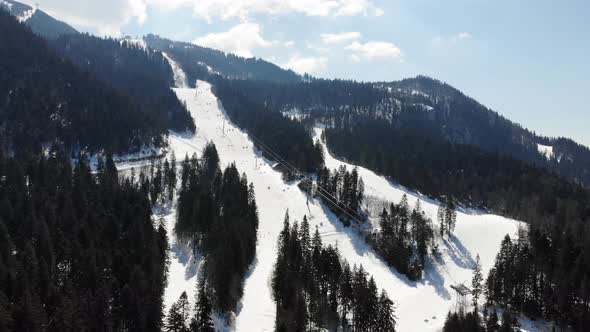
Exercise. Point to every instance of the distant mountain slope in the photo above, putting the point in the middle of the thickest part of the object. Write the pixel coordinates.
(132, 69)
(197, 59)
(463, 120)
(41, 23)
(426, 106)
(45, 99)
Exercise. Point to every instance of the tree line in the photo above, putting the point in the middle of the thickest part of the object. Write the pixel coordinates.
(345, 191)
(542, 275)
(159, 181)
(488, 321)
(314, 288)
(78, 250)
(45, 99)
(217, 213)
(404, 238)
(288, 138)
(136, 71)
(180, 319)
(473, 322)
(196, 61)
(555, 208)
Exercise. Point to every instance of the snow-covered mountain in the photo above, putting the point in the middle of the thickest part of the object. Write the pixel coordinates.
(421, 306)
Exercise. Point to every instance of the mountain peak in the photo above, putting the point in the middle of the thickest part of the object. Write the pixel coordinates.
(40, 22)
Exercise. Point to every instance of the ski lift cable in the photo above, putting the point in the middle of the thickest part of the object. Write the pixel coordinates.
(322, 191)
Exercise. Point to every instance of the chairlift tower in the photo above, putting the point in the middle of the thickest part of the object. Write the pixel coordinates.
(462, 293)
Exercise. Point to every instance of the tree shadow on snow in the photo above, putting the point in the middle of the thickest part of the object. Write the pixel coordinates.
(458, 253)
(361, 247)
(187, 257)
(433, 276)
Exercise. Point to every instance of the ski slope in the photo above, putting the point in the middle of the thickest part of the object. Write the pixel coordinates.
(421, 306)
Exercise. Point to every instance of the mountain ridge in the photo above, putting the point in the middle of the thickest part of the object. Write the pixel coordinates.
(40, 22)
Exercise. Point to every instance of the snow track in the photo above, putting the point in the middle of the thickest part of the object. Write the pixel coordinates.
(421, 306)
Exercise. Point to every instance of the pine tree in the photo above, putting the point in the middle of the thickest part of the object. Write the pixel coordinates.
(177, 316)
(202, 322)
(451, 216)
(360, 195)
(477, 282)
(440, 218)
(386, 318)
(171, 178)
(156, 191)
(321, 292)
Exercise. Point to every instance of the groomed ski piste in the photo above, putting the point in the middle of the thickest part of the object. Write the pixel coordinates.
(420, 306)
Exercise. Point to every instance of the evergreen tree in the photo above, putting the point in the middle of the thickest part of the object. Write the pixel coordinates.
(177, 316)
(202, 321)
(78, 221)
(476, 282)
(440, 218)
(319, 290)
(218, 215)
(171, 177)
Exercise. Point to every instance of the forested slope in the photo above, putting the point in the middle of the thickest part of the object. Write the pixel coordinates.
(197, 61)
(78, 251)
(40, 22)
(45, 99)
(139, 72)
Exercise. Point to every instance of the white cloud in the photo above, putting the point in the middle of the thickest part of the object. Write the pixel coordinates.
(105, 16)
(226, 9)
(355, 58)
(241, 39)
(310, 65)
(452, 40)
(337, 38)
(289, 43)
(463, 35)
(373, 50)
(358, 7)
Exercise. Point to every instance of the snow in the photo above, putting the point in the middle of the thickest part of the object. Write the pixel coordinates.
(135, 41)
(418, 93)
(182, 273)
(545, 150)
(421, 306)
(425, 107)
(475, 233)
(294, 114)
(126, 161)
(180, 80)
(209, 69)
(417, 302)
(26, 15)
(6, 4)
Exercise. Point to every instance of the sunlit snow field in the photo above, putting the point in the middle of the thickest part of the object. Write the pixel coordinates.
(420, 306)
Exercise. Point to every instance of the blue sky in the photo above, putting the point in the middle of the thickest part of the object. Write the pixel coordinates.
(527, 60)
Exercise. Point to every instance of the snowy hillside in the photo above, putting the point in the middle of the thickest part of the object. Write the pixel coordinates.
(420, 305)
(545, 150)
